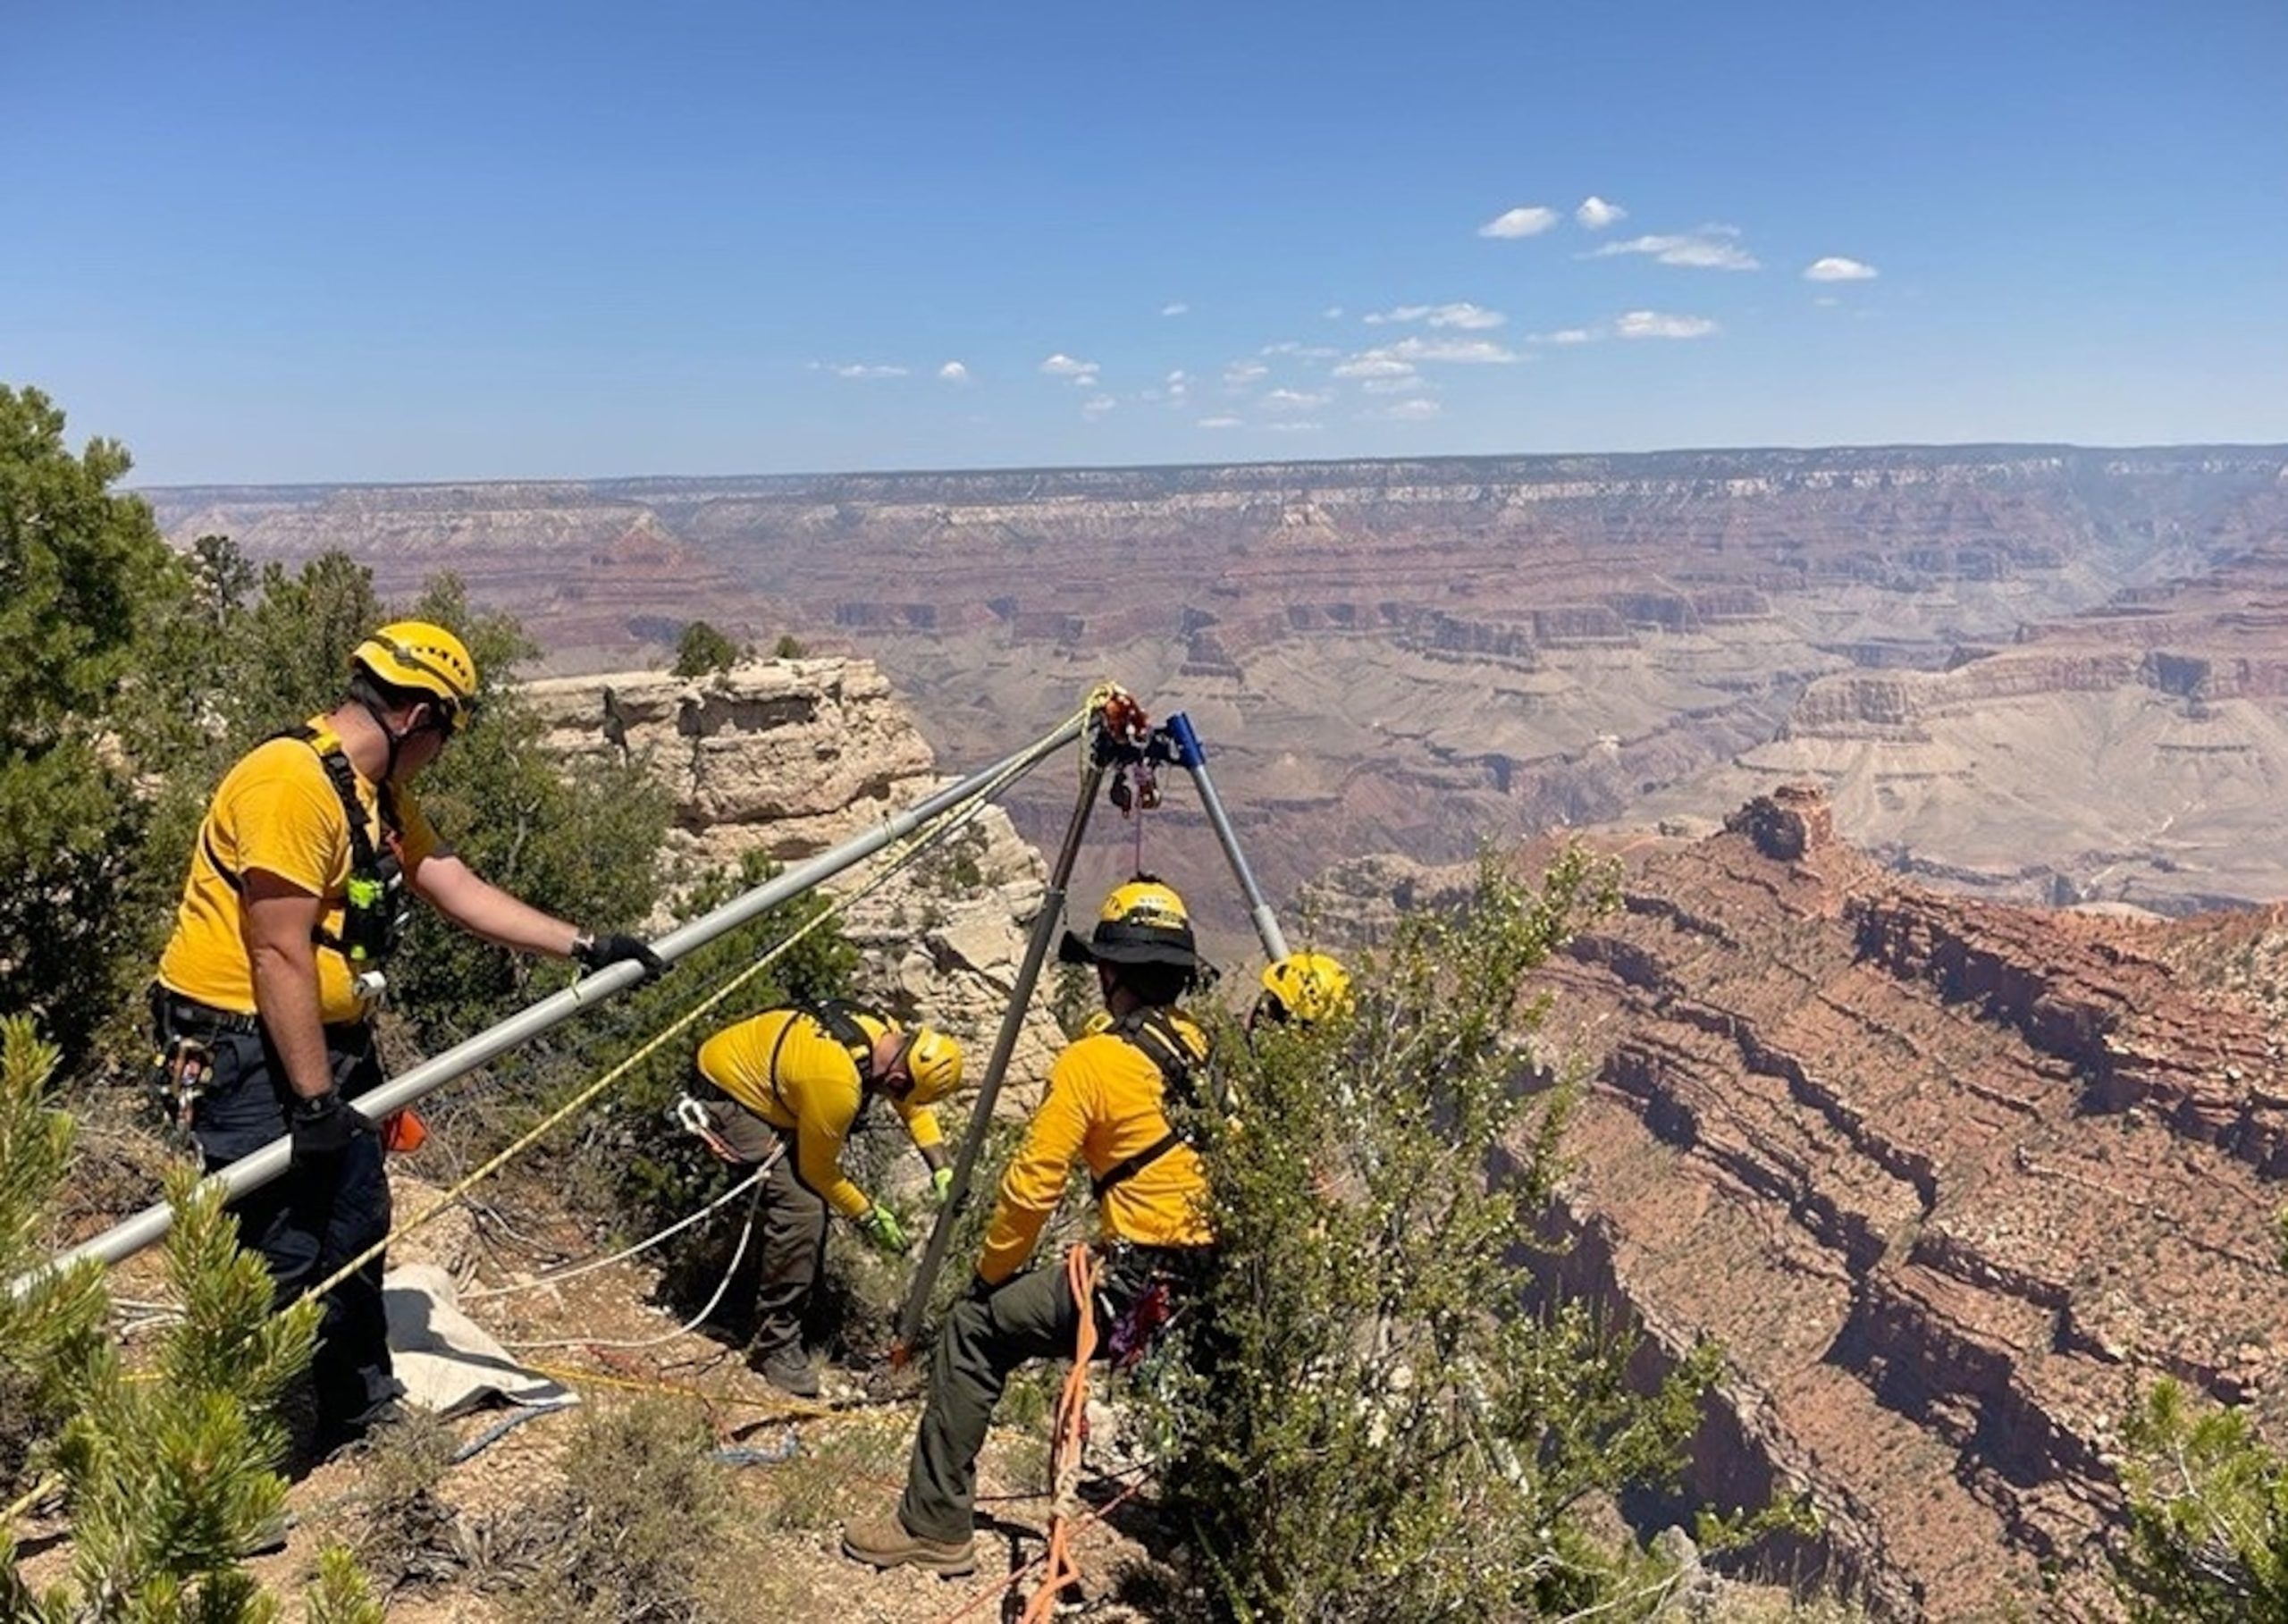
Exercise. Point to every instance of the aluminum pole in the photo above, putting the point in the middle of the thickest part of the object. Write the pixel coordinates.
(1193, 759)
(1050, 921)
(132, 1235)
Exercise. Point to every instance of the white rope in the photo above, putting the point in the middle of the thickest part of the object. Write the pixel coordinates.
(689, 1325)
(594, 1264)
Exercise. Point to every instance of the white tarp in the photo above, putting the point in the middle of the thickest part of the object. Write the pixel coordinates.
(446, 1359)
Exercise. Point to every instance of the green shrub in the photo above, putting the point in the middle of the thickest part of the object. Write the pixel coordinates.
(1379, 1425)
(2207, 1536)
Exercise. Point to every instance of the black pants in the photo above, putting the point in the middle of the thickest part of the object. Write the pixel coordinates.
(310, 1221)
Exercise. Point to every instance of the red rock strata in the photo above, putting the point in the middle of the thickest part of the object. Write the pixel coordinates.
(1951, 1181)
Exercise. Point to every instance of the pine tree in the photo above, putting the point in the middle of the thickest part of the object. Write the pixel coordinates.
(169, 1471)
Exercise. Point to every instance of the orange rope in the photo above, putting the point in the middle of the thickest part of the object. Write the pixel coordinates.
(999, 1586)
(1071, 1437)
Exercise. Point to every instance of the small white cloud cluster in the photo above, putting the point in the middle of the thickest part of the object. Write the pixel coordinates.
(1063, 365)
(1654, 324)
(1527, 222)
(1835, 267)
(954, 371)
(1595, 213)
(1711, 248)
(1175, 307)
(1465, 315)
(861, 371)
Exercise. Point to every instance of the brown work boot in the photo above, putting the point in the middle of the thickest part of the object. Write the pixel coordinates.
(883, 1542)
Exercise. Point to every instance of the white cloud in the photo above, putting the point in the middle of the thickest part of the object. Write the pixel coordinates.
(1420, 409)
(1241, 375)
(860, 369)
(1294, 428)
(1406, 385)
(1827, 301)
(954, 371)
(1653, 325)
(1175, 307)
(1465, 351)
(1293, 400)
(1519, 222)
(1178, 385)
(1309, 352)
(1835, 267)
(1567, 335)
(1333, 313)
(1219, 423)
(1711, 248)
(1596, 214)
(1063, 365)
(1469, 317)
(1374, 364)
(1097, 406)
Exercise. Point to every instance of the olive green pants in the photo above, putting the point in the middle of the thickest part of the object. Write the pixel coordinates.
(985, 1338)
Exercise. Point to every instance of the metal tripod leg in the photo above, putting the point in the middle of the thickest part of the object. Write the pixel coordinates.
(1193, 759)
(1050, 921)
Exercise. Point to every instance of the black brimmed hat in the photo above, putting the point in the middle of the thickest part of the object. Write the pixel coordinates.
(1142, 922)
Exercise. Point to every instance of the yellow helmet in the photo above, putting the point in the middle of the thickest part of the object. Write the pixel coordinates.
(1306, 986)
(1142, 922)
(934, 1061)
(425, 658)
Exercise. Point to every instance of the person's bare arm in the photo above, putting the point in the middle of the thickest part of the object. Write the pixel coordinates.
(481, 908)
(277, 919)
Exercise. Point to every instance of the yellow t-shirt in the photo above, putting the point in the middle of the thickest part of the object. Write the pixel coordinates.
(794, 1074)
(277, 810)
(1105, 1104)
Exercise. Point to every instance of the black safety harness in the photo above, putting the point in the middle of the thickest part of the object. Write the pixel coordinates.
(839, 1018)
(375, 907)
(1154, 1032)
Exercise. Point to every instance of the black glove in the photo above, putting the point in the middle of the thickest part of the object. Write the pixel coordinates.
(321, 1128)
(595, 951)
(977, 1290)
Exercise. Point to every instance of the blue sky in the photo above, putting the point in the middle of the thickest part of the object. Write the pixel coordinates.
(418, 241)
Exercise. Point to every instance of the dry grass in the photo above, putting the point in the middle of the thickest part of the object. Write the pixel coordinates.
(643, 1530)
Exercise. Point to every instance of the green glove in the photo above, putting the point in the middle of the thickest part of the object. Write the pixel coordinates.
(880, 1227)
(941, 1185)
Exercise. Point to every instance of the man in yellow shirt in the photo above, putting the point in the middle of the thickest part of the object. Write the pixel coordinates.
(788, 1085)
(1107, 1105)
(298, 890)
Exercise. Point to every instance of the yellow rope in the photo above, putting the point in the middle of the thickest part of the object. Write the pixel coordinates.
(914, 846)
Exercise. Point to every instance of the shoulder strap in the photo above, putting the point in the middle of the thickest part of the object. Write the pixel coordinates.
(839, 1017)
(364, 860)
(343, 776)
(1154, 1032)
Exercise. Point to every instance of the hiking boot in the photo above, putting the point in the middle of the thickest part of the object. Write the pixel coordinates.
(791, 1373)
(883, 1542)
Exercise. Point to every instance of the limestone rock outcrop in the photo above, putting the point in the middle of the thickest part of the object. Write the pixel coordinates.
(791, 757)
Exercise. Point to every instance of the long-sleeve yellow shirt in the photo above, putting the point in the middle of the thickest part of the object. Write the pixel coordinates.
(1104, 1105)
(790, 1071)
